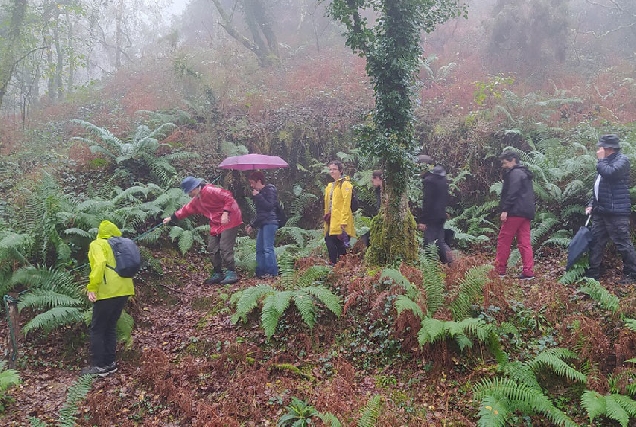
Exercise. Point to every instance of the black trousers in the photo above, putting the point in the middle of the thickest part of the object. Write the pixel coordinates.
(434, 233)
(335, 247)
(616, 228)
(106, 312)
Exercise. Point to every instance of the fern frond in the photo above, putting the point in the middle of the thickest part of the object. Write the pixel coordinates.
(593, 403)
(328, 298)
(553, 359)
(75, 395)
(274, 305)
(599, 294)
(493, 411)
(470, 289)
(398, 278)
(247, 300)
(53, 318)
(615, 411)
(8, 378)
(371, 412)
(431, 331)
(41, 299)
(306, 307)
(402, 303)
(124, 328)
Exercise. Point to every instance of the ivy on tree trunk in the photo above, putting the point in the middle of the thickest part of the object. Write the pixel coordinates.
(387, 34)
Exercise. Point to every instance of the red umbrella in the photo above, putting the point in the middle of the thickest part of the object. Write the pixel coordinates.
(252, 162)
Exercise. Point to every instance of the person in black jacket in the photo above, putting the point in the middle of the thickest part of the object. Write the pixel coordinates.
(517, 210)
(610, 207)
(265, 199)
(434, 212)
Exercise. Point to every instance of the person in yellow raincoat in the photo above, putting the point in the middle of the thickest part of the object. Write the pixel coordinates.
(108, 292)
(338, 217)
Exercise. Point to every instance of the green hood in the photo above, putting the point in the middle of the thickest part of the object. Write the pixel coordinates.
(107, 229)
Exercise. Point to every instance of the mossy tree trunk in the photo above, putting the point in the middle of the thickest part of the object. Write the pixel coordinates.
(392, 49)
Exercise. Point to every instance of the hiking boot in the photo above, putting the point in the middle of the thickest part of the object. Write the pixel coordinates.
(112, 368)
(214, 279)
(627, 280)
(96, 370)
(230, 277)
(525, 277)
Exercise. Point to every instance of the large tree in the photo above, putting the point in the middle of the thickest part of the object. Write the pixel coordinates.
(387, 33)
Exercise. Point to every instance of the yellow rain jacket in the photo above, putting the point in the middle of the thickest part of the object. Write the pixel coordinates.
(104, 281)
(340, 203)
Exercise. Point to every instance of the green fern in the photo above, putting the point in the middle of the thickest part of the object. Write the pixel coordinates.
(599, 294)
(247, 300)
(470, 289)
(43, 299)
(54, 318)
(371, 412)
(432, 279)
(275, 303)
(553, 358)
(614, 406)
(75, 395)
(403, 303)
(67, 416)
(395, 276)
(501, 397)
(8, 379)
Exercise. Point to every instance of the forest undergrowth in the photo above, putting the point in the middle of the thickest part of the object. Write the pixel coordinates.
(189, 365)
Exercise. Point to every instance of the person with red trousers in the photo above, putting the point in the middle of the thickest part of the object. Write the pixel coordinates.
(219, 206)
(517, 210)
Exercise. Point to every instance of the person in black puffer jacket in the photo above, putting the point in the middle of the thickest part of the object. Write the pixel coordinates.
(517, 210)
(610, 207)
(265, 197)
(434, 212)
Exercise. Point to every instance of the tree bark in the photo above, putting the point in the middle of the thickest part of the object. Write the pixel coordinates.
(10, 47)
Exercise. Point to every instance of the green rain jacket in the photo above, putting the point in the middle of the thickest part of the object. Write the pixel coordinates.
(103, 281)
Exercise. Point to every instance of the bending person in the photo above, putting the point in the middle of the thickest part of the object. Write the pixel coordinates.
(219, 206)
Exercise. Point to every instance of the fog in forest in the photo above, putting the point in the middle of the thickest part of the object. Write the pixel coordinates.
(61, 49)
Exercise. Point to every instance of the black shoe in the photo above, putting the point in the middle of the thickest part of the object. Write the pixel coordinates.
(627, 280)
(214, 279)
(112, 368)
(525, 277)
(96, 370)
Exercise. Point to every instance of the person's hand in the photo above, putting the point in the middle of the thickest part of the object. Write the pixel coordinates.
(588, 210)
(166, 220)
(343, 227)
(225, 218)
(255, 192)
(421, 227)
(600, 153)
(504, 216)
(92, 297)
(249, 229)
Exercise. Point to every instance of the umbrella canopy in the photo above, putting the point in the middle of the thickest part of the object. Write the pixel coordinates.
(579, 244)
(253, 162)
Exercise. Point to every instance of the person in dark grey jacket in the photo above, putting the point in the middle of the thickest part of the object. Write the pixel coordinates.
(265, 199)
(517, 210)
(434, 212)
(610, 207)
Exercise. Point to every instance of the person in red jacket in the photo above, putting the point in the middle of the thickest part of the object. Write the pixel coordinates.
(220, 207)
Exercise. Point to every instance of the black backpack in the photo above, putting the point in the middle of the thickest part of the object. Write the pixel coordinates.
(355, 203)
(127, 256)
(280, 215)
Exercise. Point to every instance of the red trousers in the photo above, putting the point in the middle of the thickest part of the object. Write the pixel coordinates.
(519, 227)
